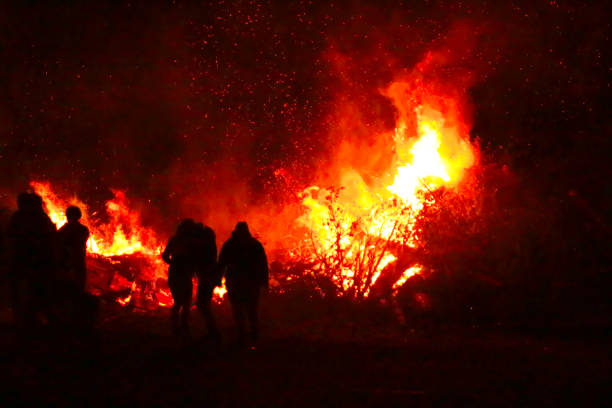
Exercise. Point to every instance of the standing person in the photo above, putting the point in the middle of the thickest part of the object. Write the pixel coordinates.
(247, 272)
(72, 239)
(31, 236)
(179, 255)
(208, 275)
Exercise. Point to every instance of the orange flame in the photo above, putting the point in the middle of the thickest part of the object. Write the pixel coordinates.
(355, 231)
(122, 235)
(128, 298)
(408, 273)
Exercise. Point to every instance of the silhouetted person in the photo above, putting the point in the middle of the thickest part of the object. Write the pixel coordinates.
(179, 255)
(205, 254)
(72, 238)
(247, 272)
(32, 237)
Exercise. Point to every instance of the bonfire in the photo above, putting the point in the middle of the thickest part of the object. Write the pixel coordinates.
(358, 235)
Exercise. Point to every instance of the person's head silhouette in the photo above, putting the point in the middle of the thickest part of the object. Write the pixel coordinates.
(242, 230)
(37, 202)
(73, 214)
(24, 201)
(186, 226)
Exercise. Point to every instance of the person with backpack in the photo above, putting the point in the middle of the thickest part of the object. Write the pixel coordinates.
(182, 267)
(243, 259)
(208, 275)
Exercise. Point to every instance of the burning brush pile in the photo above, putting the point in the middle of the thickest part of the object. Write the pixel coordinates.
(365, 235)
(360, 234)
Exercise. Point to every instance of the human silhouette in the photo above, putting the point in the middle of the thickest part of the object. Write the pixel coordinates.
(205, 254)
(31, 236)
(246, 266)
(179, 255)
(72, 239)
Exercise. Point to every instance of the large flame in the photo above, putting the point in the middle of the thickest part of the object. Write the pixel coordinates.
(123, 234)
(359, 230)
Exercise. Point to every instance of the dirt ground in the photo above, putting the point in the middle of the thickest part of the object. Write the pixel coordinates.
(309, 355)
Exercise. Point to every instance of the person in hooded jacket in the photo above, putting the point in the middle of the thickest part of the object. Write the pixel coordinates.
(32, 236)
(243, 259)
(208, 275)
(72, 238)
(179, 255)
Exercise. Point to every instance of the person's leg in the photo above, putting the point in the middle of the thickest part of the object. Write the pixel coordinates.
(54, 299)
(34, 304)
(176, 306)
(18, 296)
(187, 288)
(253, 314)
(209, 318)
(238, 309)
(185, 317)
(204, 298)
(175, 317)
(81, 277)
(22, 311)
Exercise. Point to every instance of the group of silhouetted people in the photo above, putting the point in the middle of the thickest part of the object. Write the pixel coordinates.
(192, 251)
(48, 272)
(47, 268)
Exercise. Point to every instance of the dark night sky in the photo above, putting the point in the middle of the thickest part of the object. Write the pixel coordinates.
(175, 100)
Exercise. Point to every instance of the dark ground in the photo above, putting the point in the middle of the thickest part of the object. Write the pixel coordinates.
(310, 355)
